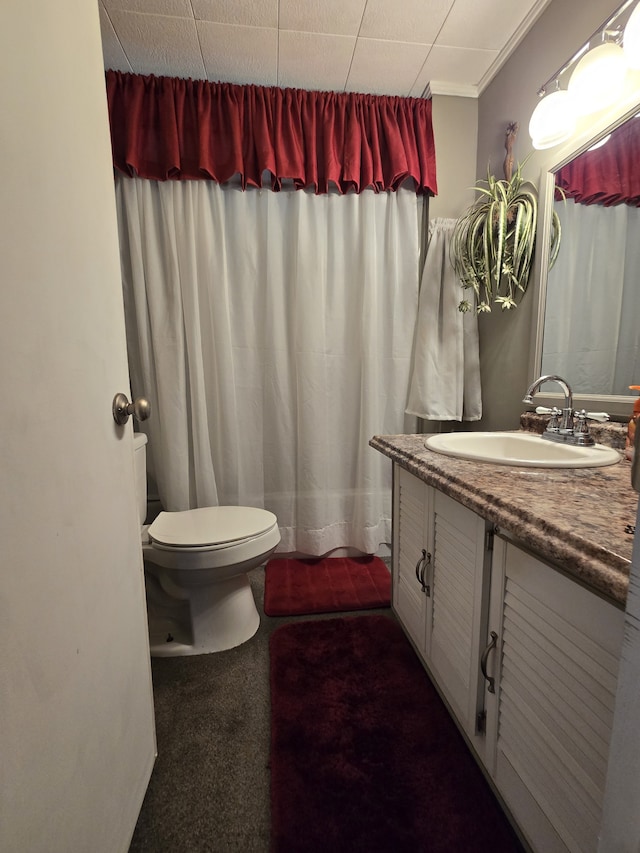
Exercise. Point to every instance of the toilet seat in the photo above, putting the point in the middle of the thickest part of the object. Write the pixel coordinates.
(210, 528)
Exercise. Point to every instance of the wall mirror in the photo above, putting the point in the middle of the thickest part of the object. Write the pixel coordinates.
(587, 316)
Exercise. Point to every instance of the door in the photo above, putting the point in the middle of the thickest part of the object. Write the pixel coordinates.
(621, 814)
(76, 710)
(549, 720)
(458, 610)
(411, 553)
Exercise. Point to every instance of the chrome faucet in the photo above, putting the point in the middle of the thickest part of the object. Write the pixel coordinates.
(558, 431)
(562, 426)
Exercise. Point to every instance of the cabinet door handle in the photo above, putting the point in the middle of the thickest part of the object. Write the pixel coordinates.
(423, 579)
(421, 567)
(483, 662)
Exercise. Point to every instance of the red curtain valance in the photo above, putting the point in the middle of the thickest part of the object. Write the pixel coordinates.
(608, 175)
(166, 128)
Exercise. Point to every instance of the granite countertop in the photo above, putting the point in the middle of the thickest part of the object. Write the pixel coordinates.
(574, 518)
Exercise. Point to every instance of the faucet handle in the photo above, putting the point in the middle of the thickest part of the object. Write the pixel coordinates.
(555, 412)
(601, 417)
(581, 432)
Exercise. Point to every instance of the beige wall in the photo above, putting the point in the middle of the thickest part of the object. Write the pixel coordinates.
(512, 96)
(455, 129)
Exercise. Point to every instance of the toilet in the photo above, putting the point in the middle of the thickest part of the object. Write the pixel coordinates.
(199, 597)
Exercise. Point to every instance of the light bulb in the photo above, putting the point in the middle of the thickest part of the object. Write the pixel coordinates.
(600, 143)
(631, 40)
(553, 120)
(598, 78)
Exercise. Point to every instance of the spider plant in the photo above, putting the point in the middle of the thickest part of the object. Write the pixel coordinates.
(494, 241)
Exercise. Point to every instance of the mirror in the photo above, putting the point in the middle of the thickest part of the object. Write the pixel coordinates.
(588, 312)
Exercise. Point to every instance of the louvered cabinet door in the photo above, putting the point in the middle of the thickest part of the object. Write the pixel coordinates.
(411, 553)
(459, 605)
(550, 719)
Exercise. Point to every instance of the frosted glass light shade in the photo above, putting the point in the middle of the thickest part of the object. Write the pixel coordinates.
(598, 78)
(600, 143)
(631, 40)
(553, 120)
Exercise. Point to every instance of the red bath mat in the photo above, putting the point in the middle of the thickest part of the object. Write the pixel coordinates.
(364, 754)
(326, 585)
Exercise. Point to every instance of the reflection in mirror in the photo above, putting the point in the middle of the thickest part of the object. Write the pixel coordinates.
(592, 311)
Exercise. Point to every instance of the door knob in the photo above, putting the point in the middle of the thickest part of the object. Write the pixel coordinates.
(122, 408)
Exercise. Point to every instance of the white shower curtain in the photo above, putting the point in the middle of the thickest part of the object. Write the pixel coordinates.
(272, 333)
(591, 329)
(445, 382)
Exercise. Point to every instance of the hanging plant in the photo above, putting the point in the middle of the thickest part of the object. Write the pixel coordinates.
(493, 243)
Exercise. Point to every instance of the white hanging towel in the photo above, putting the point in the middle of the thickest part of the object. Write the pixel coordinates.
(445, 382)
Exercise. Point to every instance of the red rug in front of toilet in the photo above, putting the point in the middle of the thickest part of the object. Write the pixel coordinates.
(325, 585)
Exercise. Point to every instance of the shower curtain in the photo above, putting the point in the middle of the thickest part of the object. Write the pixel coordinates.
(591, 330)
(273, 334)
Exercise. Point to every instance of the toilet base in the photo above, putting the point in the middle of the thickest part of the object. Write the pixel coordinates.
(209, 619)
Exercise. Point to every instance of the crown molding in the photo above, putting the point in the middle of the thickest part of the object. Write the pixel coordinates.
(458, 90)
(534, 13)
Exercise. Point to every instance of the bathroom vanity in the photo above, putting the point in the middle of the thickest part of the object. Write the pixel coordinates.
(510, 583)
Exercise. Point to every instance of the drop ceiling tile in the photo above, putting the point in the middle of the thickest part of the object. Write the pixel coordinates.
(455, 65)
(385, 67)
(472, 24)
(410, 21)
(337, 17)
(245, 13)
(161, 37)
(113, 55)
(314, 60)
(159, 45)
(239, 54)
(171, 8)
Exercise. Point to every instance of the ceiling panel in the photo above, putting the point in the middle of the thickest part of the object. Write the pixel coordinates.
(472, 24)
(245, 13)
(112, 52)
(394, 47)
(156, 44)
(239, 54)
(385, 67)
(170, 8)
(305, 58)
(454, 66)
(406, 21)
(337, 17)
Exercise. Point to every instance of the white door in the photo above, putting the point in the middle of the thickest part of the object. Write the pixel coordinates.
(621, 820)
(76, 714)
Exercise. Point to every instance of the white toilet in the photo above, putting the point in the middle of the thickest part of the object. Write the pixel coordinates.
(199, 597)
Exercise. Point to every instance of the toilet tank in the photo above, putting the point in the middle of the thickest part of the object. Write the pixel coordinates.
(140, 472)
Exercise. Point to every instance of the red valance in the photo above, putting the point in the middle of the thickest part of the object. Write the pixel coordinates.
(166, 128)
(608, 175)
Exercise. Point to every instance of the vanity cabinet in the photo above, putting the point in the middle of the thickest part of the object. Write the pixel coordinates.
(550, 718)
(540, 717)
(440, 593)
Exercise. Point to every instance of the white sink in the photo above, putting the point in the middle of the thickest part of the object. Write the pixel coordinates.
(521, 449)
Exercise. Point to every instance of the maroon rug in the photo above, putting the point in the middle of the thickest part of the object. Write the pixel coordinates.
(364, 755)
(325, 585)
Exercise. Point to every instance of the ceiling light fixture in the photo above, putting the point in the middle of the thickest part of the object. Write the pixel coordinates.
(597, 79)
(553, 120)
(600, 143)
(631, 40)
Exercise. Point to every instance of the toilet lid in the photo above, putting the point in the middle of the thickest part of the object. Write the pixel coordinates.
(212, 525)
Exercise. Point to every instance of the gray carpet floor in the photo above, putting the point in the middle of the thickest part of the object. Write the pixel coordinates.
(209, 791)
